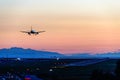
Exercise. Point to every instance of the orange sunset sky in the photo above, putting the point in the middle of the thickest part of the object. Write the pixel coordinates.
(72, 26)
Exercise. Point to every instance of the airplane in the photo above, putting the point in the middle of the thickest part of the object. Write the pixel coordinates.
(32, 32)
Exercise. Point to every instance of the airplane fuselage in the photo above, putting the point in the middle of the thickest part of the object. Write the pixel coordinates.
(32, 32)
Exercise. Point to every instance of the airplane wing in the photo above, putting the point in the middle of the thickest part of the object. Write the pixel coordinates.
(40, 31)
(24, 31)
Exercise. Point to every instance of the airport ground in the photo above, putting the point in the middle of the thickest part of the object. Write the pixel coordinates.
(62, 69)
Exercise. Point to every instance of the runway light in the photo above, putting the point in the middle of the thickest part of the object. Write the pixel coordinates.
(58, 59)
(18, 59)
(51, 70)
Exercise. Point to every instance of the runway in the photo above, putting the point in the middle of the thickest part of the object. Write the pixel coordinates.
(86, 62)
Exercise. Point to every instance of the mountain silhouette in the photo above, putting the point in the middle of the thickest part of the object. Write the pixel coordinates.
(16, 52)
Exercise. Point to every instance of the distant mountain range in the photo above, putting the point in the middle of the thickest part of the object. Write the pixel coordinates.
(16, 52)
(100, 55)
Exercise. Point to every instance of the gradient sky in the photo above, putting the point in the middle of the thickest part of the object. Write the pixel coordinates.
(72, 26)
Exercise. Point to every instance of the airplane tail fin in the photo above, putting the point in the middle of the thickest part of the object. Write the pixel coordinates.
(31, 28)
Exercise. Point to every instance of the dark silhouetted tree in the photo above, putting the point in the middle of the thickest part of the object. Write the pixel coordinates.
(101, 75)
(117, 70)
